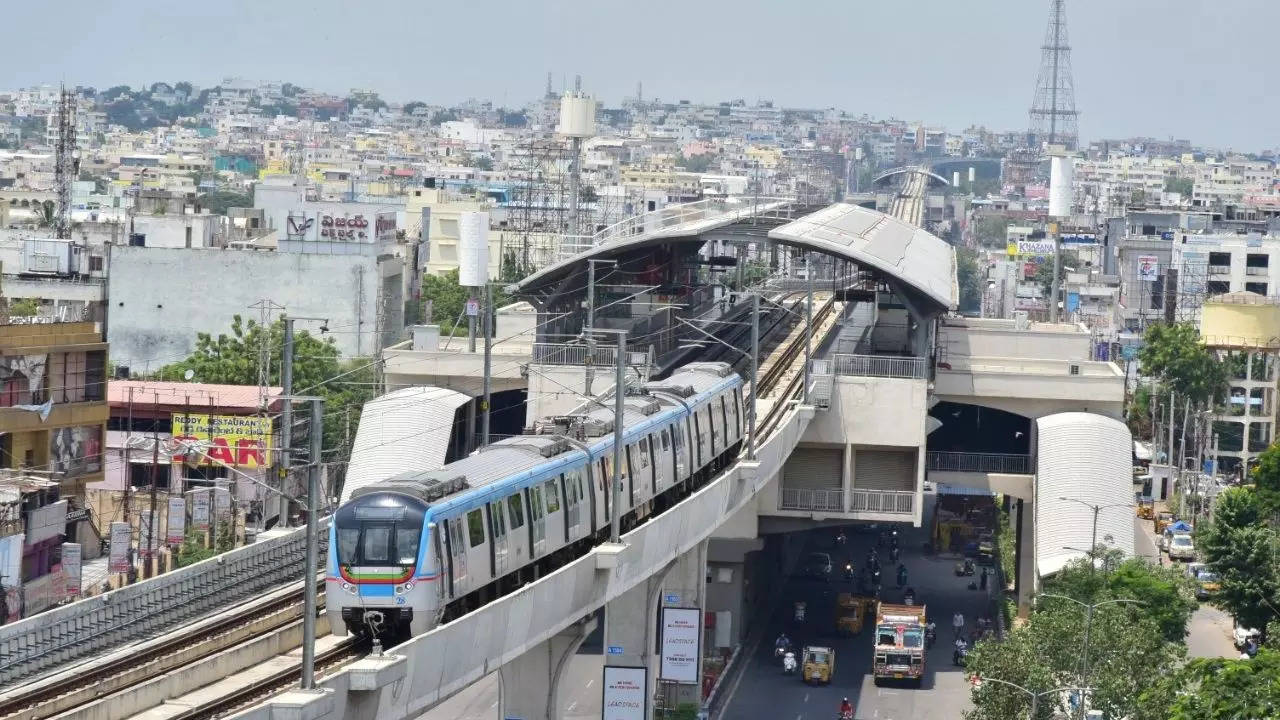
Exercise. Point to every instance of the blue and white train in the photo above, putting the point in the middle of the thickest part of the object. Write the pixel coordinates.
(422, 548)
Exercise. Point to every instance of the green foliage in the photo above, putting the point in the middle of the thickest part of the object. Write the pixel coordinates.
(1179, 185)
(695, 163)
(1240, 548)
(969, 277)
(409, 107)
(233, 360)
(1174, 355)
(444, 116)
(24, 307)
(1127, 655)
(1266, 479)
(1218, 689)
(992, 230)
(1166, 594)
(46, 213)
(1044, 273)
(193, 550)
(448, 299)
(218, 201)
(482, 162)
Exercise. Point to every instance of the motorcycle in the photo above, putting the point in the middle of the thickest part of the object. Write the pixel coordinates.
(848, 572)
(840, 538)
(875, 577)
(965, 569)
(902, 576)
(909, 597)
(789, 663)
(930, 635)
(960, 654)
(893, 554)
(845, 716)
(799, 612)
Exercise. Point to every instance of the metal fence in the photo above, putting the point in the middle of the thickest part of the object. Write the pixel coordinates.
(978, 462)
(886, 366)
(104, 622)
(560, 354)
(812, 499)
(883, 501)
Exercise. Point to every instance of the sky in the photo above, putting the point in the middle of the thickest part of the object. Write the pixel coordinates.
(1195, 69)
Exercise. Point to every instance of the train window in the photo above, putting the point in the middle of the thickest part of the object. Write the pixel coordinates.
(735, 405)
(553, 496)
(665, 439)
(642, 449)
(516, 509)
(407, 545)
(724, 417)
(535, 502)
(571, 488)
(348, 543)
(377, 544)
(497, 527)
(475, 528)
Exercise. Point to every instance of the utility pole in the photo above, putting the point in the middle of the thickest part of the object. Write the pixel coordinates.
(309, 578)
(619, 394)
(155, 462)
(488, 360)
(284, 458)
(808, 325)
(1057, 268)
(132, 574)
(591, 321)
(755, 379)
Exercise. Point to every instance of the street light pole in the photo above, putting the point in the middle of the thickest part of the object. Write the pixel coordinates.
(488, 360)
(1088, 627)
(755, 380)
(619, 394)
(313, 547)
(808, 324)
(1096, 508)
(1035, 696)
(591, 320)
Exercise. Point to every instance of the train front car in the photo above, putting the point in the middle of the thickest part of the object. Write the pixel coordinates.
(380, 575)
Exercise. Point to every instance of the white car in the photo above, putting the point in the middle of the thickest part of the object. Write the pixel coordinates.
(1182, 548)
(1241, 635)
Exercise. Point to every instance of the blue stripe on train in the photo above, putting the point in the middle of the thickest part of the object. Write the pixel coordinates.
(376, 590)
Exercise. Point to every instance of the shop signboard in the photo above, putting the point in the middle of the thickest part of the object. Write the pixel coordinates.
(242, 441)
(71, 568)
(121, 537)
(200, 509)
(1148, 267)
(177, 524)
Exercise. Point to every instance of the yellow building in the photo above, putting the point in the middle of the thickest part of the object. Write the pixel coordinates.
(768, 157)
(1243, 329)
(53, 408)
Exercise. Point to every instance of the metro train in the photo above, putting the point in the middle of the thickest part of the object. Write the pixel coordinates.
(421, 548)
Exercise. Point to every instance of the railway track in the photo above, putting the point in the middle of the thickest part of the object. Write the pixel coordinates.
(131, 667)
(772, 375)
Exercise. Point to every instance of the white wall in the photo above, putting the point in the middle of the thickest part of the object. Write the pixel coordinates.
(160, 298)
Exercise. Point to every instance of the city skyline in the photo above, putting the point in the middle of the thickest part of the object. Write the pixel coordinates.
(971, 68)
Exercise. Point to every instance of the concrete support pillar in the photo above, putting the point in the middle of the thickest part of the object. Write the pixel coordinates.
(530, 684)
(1024, 562)
(846, 478)
(632, 631)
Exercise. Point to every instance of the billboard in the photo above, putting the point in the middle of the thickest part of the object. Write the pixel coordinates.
(384, 227)
(1035, 247)
(177, 525)
(75, 450)
(1073, 301)
(681, 644)
(71, 568)
(121, 537)
(200, 509)
(1148, 267)
(242, 441)
(625, 693)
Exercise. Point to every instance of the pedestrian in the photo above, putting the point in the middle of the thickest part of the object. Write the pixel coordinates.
(957, 623)
(982, 582)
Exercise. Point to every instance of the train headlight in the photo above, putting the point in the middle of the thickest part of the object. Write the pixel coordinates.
(350, 588)
(402, 589)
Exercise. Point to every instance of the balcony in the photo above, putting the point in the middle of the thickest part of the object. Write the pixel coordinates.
(885, 366)
(813, 500)
(1219, 269)
(897, 502)
(1257, 271)
(978, 462)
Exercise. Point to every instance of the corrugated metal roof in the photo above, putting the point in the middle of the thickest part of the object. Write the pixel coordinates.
(921, 260)
(175, 394)
(405, 430)
(1090, 458)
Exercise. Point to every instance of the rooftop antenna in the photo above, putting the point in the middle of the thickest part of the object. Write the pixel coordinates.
(67, 161)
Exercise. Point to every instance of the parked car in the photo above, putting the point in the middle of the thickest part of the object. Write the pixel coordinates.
(1181, 547)
(1241, 635)
(1205, 579)
(818, 566)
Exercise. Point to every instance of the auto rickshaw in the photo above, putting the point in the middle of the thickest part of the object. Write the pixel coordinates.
(851, 613)
(1146, 508)
(819, 664)
(1163, 520)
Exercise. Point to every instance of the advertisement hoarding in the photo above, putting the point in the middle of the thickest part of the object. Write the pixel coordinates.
(681, 644)
(242, 441)
(121, 537)
(71, 567)
(221, 504)
(1148, 267)
(625, 693)
(200, 509)
(1035, 247)
(177, 525)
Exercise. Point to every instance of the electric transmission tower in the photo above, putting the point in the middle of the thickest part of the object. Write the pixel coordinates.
(1053, 113)
(66, 161)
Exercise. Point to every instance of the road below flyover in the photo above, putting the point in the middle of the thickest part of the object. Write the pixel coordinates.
(762, 692)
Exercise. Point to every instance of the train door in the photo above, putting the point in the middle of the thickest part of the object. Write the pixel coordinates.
(457, 553)
(678, 449)
(537, 520)
(661, 464)
(697, 441)
(573, 505)
(498, 531)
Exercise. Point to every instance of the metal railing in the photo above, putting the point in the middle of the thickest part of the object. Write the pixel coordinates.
(883, 501)
(886, 366)
(978, 462)
(812, 499)
(560, 354)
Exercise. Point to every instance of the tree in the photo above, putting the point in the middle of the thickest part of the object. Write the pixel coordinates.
(969, 277)
(447, 299)
(1266, 479)
(1167, 595)
(409, 107)
(444, 116)
(992, 230)
(233, 360)
(1173, 354)
(24, 307)
(696, 163)
(1179, 185)
(218, 201)
(1044, 273)
(1239, 547)
(46, 214)
(1219, 689)
(482, 162)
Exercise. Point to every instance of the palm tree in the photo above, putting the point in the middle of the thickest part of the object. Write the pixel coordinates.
(46, 213)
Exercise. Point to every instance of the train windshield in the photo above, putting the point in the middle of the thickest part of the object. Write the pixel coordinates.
(379, 530)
